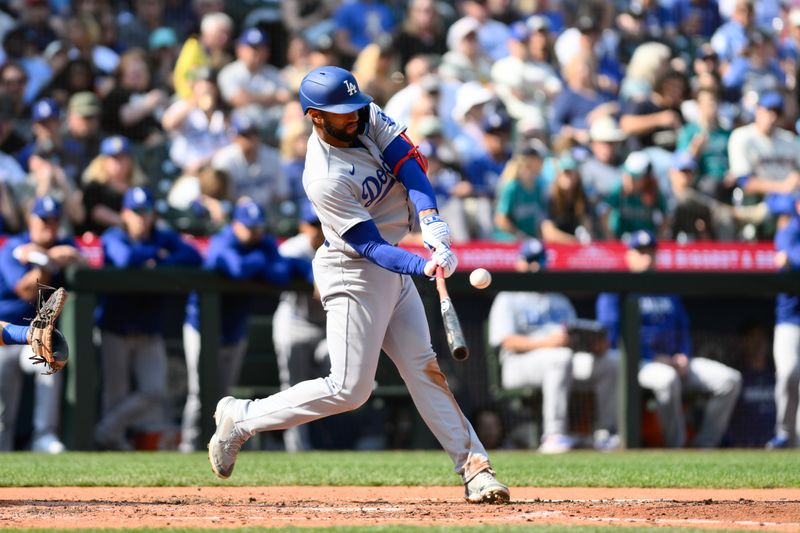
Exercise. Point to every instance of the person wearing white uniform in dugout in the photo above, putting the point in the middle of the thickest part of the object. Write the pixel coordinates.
(367, 182)
(531, 330)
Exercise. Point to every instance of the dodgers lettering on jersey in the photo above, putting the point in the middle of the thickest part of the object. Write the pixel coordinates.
(351, 185)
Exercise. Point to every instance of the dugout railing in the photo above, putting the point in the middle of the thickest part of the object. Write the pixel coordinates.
(86, 285)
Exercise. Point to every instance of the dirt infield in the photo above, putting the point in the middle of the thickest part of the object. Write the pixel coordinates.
(79, 507)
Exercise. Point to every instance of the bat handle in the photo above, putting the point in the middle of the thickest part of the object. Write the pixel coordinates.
(440, 284)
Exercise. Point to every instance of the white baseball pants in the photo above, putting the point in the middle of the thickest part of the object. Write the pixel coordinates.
(786, 352)
(368, 309)
(722, 382)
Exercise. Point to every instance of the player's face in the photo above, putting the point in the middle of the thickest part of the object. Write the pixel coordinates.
(641, 260)
(43, 231)
(137, 223)
(245, 234)
(336, 129)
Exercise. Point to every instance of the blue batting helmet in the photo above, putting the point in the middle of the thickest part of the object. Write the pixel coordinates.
(331, 89)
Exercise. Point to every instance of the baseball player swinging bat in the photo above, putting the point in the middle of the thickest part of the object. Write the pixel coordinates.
(452, 327)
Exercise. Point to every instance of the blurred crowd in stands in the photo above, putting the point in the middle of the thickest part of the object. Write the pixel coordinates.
(568, 121)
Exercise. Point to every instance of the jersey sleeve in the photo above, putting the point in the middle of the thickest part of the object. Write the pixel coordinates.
(336, 204)
(740, 164)
(381, 128)
(501, 320)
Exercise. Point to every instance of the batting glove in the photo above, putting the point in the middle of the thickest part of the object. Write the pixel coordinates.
(444, 257)
(435, 231)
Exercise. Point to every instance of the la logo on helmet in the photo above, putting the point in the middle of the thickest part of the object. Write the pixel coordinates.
(351, 88)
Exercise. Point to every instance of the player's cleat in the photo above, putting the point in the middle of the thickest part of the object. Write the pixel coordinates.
(558, 443)
(226, 441)
(778, 442)
(605, 441)
(47, 443)
(484, 488)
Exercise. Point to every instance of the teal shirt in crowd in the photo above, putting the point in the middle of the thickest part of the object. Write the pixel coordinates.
(627, 212)
(713, 160)
(525, 207)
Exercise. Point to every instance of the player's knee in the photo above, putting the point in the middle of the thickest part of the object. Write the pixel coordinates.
(350, 398)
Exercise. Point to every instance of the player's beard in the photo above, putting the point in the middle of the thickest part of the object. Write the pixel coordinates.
(341, 135)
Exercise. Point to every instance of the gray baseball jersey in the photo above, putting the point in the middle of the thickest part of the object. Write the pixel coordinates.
(368, 308)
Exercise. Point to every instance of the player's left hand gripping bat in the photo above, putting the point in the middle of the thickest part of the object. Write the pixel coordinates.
(452, 327)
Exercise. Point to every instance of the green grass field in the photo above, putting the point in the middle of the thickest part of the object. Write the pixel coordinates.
(687, 469)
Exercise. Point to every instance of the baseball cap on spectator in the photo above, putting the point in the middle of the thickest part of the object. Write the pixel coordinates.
(115, 145)
(460, 30)
(46, 207)
(566, 162)
(249, 213)
(469, 95)
(637, 164)
(254, 37)
(496, 122)
(532, 147)
(308, 214)
(605, 129)
(45, 109)
(684, 161)
(519, 31)
(138, 199)
(533, 251)
(772, 100)
(538, 23)
(641, 239)
(162, 37)
(242, 124)
(85, 104)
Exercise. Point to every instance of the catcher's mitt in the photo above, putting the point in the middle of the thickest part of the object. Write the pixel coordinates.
(43, 337)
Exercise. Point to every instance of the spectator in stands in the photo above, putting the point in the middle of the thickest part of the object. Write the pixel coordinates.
(786, 347)
(136, 25)
(600, 171)
(77, 76)
(530, 330)
(729, 40)
(422, 33)
(654, 122)
(197, 124)
(293, 158)
(378, 71)
(492, 34)
(37, 256)
(419, 79)
(134, 106)
(254, 168)
(46, 130)
(667, 367)
(21, 53)
(131, 338)
(82, 133)
(707, 142)
(469, 110)
(208, 50)
(203, 201)
(252, 86)
(83, 34)
(765, 160)
(525, 85)
(693, 212)
(105, 183)
(162, 55)
(755, 70)
(242, 251)
(35, 23)
(521, 201)
(648, 64)
(359, 23)
(298, 325)
(309, 19)
(465, 61)
(636, 202)
(569, 217)
(47, 177)
(581, 101)
(13, 81)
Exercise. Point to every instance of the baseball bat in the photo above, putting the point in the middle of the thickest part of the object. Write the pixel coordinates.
(452, 327)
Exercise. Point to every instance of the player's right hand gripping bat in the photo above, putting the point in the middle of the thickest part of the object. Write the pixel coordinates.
(452, 327)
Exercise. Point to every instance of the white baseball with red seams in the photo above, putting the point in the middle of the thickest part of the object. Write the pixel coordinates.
(480, 278)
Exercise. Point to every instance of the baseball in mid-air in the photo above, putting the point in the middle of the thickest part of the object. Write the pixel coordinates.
(480, 278)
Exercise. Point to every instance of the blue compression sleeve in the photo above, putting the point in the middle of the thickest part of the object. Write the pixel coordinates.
(367, 241)
(13, 334)
(410, 174)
